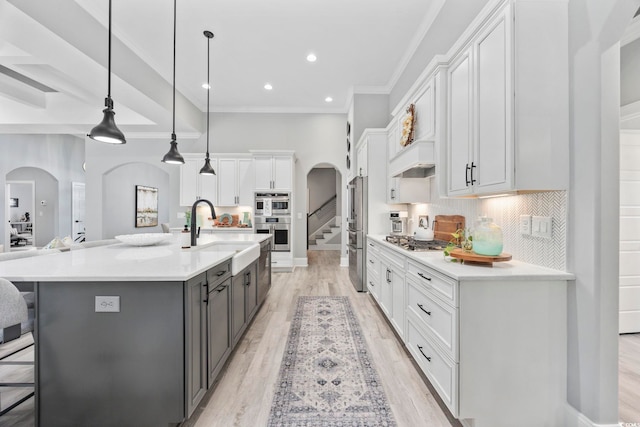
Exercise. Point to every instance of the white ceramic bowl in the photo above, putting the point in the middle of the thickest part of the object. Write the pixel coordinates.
(143, 239)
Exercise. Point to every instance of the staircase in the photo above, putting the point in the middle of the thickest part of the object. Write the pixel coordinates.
(324, 234)
(326, 239)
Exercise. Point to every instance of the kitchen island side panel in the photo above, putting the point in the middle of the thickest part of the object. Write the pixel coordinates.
(124, 368)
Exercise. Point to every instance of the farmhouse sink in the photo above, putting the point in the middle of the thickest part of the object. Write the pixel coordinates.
(246, 253)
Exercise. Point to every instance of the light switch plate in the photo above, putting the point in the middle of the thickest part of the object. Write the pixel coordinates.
(107, 304)
(525, 224)
(541, 226)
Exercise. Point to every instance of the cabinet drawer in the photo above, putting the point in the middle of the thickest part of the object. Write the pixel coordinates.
(395, 259)
(218, 273)
(373, 260)
(439, 318)
(441, 285)
(373, 283)
(441, 371)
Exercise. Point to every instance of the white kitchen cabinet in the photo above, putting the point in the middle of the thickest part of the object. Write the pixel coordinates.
(425, 111)
(235, 181)
(480, 93)
(362, 153)
(480, 339)
(373, 269)
(392, 296)
(273, 172)
(194, 186)
(489, 90)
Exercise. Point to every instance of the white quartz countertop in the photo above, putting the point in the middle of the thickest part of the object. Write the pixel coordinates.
(499, 271)
(166, 261)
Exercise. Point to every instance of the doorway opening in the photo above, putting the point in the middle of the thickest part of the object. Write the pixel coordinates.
(20, 214)
(629, 249)
(324, 208)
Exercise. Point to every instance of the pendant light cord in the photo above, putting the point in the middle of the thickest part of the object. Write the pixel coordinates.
(109, 103)
(208, 90)
(173, 129)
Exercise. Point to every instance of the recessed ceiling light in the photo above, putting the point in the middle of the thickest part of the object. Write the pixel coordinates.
(205, 86)
(328, 99)
(268, 86)
(311, 57)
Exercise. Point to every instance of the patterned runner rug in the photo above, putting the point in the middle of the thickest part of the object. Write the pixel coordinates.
(327, 377)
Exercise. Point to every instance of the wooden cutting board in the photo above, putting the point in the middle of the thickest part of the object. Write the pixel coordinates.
(445, 225)
(474, 258)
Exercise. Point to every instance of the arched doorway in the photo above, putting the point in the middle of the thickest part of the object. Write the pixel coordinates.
(324, 208)
(37, 211)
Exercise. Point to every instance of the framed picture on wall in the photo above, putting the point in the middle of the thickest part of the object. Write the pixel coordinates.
(146, 206)
(13, 202)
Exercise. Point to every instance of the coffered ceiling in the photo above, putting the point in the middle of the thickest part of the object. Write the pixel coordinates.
(53, 58)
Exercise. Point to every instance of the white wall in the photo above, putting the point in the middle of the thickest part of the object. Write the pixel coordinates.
(119, 192)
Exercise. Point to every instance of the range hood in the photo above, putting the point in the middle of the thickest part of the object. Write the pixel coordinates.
(418, 160)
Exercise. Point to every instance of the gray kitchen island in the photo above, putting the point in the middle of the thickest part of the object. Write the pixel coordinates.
(134, 336)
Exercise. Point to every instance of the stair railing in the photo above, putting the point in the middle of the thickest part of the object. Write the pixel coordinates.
(317, 219)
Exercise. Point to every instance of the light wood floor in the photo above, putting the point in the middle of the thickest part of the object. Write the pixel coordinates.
(629, 379)
(244, 392)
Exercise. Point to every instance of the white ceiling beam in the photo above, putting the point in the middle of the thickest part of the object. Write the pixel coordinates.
(12, 89)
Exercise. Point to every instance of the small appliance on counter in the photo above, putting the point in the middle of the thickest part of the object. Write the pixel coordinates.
(398, 222)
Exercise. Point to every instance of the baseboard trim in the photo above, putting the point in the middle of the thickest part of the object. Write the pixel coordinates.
(574, 418)
(301, 262)
(344, 261)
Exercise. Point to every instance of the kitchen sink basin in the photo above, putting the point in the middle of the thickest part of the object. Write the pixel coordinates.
(246, 253)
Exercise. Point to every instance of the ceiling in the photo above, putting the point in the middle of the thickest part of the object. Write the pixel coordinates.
(53, 58)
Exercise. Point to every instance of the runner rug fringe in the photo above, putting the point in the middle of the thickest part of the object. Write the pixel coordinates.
(327, 377)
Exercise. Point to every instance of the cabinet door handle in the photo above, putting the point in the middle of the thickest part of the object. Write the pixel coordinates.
(248, 276)
(424, 277)
(221, 273)
(371, 244)
(425, 356)
(220, 288)
(466, 174)
(472, 168)
(371, 284)
(370, 261)
(422, 308)
(388, 274)
(393, 193)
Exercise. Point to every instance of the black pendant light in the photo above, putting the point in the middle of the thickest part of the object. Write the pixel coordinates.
(173, 156)
(107, 131)
(207, 169)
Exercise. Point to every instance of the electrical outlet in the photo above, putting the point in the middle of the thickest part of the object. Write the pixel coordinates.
(525, 224)
(541, 226)
(107, 304)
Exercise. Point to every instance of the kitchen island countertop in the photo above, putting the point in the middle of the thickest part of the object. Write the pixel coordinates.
(163, 262)
(500, 271)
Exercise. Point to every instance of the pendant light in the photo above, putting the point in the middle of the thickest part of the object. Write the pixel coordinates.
(173, 156)
(106, 130)
(207, 169)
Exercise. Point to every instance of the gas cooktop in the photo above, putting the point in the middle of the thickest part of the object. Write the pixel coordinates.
(409, 243)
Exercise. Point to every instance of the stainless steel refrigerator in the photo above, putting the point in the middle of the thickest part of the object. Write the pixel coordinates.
(357, 228)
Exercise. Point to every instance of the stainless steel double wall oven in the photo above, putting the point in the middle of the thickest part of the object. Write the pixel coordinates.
(272, 215)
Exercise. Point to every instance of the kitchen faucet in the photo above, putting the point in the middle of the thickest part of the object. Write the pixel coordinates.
(194, 235)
